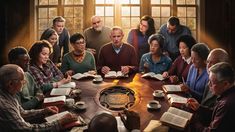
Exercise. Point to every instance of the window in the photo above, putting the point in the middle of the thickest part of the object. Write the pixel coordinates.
(186, 10)
(71, 10)
(124, 13)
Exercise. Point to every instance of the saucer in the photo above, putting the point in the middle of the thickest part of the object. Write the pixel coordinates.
(158, 93)
(153, 104)
(97, 81)
(158, 96)
(80, 105)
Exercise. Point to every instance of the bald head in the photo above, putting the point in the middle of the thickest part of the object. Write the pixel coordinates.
(96, 23)
(217, 55)
(103, 123)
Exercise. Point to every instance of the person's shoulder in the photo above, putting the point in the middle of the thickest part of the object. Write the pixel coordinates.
(89, 29)
(166, 58)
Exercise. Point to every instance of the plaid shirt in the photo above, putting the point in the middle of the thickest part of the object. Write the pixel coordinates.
(13, 116)
(46, 75)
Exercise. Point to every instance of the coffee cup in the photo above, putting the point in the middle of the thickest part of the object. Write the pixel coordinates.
(158, 93)
(69, 102)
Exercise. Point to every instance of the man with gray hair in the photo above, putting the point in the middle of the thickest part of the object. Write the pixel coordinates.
(221, 83)
(13, 116)
(208, 99)
(96, 36)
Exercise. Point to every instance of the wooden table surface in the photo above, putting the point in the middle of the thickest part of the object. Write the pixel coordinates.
(142, 87)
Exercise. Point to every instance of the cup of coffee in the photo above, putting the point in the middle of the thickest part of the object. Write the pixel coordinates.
(158, 93)
(69, 102)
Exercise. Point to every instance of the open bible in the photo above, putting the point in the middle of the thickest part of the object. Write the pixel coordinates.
(68, 85)
(176, 100)
(114, 74)
(78, 76)
(153, 75)
(171, 88)
(54, 101)
(58, 116)
(176, 118)
(60, 91)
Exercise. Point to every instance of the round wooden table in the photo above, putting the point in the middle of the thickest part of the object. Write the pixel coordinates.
(142, 87)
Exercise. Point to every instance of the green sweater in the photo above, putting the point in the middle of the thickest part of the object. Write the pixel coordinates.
(27, 97)
(69, 63)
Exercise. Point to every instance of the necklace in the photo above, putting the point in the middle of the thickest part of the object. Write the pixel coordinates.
(79, 58)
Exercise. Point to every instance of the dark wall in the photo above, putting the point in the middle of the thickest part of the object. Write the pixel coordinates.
(219, 23)
(14, 25)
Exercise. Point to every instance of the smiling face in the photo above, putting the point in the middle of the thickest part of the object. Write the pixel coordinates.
(53, 39)
(23, 61)
(197, 61)
(43, 56)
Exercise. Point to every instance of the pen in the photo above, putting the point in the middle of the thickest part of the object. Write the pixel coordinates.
(183, 80)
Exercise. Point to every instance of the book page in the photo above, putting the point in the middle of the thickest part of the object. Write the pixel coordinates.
(111, 74)
(54, 99)
(149, 74)
(174, 120)
(78, 76)
(180, 100)
(68, 85)
(56, 116)
(60, 91)
(180, 113)
(156, 126)
(172, 88)
(159, 77)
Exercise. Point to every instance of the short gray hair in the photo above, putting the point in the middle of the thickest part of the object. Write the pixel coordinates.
(8, 72)
(224, 72)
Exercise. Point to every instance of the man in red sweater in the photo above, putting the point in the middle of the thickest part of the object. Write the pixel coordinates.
(117, 55)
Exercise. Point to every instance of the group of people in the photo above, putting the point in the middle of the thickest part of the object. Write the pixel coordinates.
(172, 52)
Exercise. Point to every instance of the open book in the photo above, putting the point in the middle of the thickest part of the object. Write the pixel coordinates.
(156, 126)
(171, 88)
(153, 75)
(78, 76)
(58, 116)
(60, 91)
(114, 74)
(50, 101)
(176, 118)
(176, 100)
(68, 85)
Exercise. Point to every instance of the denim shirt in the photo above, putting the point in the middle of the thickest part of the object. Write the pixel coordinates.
(159, 67)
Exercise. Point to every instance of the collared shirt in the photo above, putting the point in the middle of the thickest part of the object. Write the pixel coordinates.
(187, 60)
(171, 39)
(223, 114)
(13, 116)
(117, 50)
(197, 84)
(46, 75)
(158, 67)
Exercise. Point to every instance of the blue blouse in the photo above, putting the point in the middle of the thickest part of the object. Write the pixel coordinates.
(159, 67)
(197, 84)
